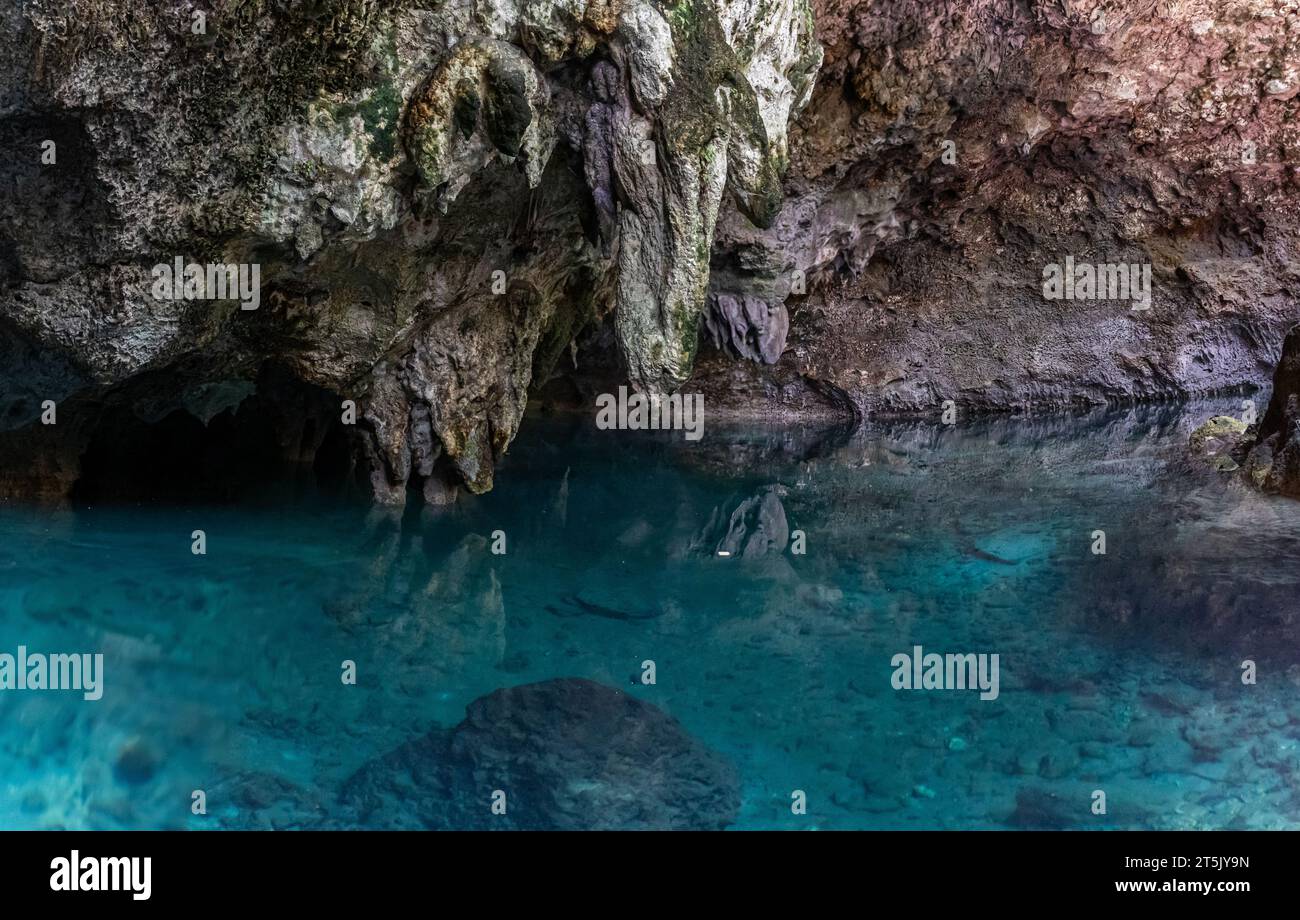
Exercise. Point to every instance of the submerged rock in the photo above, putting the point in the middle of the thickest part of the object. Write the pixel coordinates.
(755, 527)
(567, 754)
(1043, 809)
(577, 754)
(136, 763)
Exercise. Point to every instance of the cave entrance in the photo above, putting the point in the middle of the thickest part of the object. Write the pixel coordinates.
(279, 437)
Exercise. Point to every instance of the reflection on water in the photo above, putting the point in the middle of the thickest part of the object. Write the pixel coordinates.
(1119, 672)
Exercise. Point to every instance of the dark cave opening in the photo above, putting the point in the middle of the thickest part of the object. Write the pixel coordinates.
(286, 437)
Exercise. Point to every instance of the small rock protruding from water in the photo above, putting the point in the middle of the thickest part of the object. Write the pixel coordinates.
(1217, 441)
(1273, 463)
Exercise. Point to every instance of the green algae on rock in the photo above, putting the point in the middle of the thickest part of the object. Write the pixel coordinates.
(1216, 440)
(442, 199)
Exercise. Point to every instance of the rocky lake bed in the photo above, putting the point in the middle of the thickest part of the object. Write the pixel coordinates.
(525, 671)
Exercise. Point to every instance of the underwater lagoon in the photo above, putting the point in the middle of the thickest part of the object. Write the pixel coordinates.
(1118, 672)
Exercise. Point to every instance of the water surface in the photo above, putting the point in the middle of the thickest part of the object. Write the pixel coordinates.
(1118, 672)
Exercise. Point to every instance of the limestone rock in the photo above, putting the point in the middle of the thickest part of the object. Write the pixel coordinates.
(439, 201)
(854, 203)
(1216, 440)
(949, 153)
(568, 754)
(755, 527)
(1274, 460)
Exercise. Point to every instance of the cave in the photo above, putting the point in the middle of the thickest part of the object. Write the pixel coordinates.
(980, 327)
(284, 439)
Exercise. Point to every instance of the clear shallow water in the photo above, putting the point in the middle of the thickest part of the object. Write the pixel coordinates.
(1118, 673)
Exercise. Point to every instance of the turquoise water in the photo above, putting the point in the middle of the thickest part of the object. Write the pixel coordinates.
(1118, 672)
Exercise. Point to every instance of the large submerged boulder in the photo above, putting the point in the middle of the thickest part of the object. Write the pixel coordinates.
(563, 754)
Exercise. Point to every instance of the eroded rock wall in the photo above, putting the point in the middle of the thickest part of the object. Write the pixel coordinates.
(952, 151)
(1272, 448)
(438, 196)
(453, 202)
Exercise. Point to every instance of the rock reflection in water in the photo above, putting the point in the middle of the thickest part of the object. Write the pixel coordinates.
(1119, 671)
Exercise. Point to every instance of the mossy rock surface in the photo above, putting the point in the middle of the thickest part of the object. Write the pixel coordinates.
(1216, 438)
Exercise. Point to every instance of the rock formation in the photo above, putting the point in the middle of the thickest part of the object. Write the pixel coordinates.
(754, 527)
(1217, 440)
(951, 153)
(438, 197)
(1273, 461)
(568, 754)
(453, 202)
